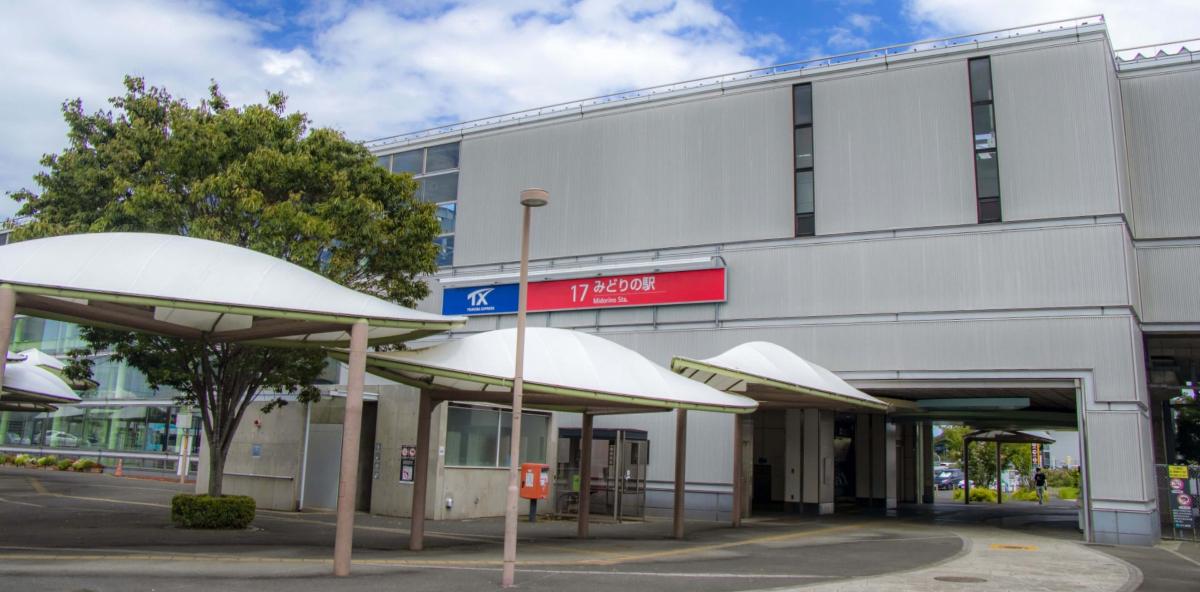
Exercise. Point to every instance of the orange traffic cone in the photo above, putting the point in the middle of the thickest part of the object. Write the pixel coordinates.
(120, 472)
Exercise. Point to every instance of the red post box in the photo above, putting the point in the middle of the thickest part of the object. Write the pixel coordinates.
(535, 481)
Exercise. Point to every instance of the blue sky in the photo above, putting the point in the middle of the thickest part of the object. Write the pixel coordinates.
(375, 68)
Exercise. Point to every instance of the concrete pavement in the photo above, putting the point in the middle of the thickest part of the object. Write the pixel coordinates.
(66, 531)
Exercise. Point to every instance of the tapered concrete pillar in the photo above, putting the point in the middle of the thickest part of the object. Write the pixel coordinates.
(926, 431)
(818, 461)
(891, 482)
(416, 525)
(343, 540)
(680, 469)
(878, 460)
(746, 455)
(735, 512)
(585, 475)
(8, 310)
(793, 459)
(862, 458)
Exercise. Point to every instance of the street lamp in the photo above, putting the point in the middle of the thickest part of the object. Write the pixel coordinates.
(530, 198)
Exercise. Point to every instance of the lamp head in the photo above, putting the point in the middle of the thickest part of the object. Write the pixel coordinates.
(534, 198)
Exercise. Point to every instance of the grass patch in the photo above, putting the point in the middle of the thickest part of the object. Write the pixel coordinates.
(978, 494)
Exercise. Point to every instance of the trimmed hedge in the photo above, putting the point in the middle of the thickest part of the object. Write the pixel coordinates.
(22, 459)
(47, 461)
(978, 494)
(84, 464)
(203, 511)
(1025, 495)
(65, 464)
(1068, 493)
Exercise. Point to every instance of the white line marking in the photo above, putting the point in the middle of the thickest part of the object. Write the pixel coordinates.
(622, 573)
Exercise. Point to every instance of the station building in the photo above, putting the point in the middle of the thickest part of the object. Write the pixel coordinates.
(993, 229)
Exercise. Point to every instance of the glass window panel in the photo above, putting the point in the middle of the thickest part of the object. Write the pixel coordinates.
(989, 210)
(385, 161)
(407, 162)
(802, 104)
(804, 147)
(445, 250)
(445, 216)
(805, 225)
(987, 175)
(442, 157)
(471, 437)
(534, 433)
(804, 192)
(439, 188)
(981, 79)
(985, 127)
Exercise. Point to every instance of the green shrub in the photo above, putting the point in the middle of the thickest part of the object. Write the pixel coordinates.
(65, 464)
(22, 460)
(1062, 477)
(1068, 493)
(46, 461)
(6, 459)
(1025, 495)
(978, 494)
(84, 464)
(202, 511)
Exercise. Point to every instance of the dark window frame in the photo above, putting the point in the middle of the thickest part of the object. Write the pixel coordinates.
(982, 202)
(807, 219)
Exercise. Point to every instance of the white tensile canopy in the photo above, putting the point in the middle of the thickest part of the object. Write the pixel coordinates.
(776, 378)
(29, 387)
(187, 287)
(564, 371)
(203, 290)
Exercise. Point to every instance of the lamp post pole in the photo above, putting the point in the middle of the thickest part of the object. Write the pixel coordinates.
(530, 198)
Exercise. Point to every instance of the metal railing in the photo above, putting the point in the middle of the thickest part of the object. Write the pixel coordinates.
(719, 81)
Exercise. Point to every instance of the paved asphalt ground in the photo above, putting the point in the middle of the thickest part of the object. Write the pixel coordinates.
(75, 532)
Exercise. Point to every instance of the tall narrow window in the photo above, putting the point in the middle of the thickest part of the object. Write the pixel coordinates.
(802, 143)
(983, 124)
(436, 171)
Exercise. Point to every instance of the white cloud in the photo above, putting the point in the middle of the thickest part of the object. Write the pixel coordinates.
(370, 69)
(1130, 23)
(863, 22)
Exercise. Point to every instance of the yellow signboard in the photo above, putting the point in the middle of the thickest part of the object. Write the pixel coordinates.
(1177, 471)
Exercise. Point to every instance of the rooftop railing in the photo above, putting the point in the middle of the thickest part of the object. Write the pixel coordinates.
(1187, 50)
(767, 72)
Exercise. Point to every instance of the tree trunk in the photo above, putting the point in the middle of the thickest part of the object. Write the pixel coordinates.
(216, 468)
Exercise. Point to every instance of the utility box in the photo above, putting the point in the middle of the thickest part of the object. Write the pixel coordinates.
(535, 481)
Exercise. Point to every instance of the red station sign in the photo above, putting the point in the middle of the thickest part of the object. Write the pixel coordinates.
(642, 289)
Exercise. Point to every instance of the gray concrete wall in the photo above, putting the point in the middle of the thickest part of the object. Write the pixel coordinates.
(272, 479)
(1166, 274)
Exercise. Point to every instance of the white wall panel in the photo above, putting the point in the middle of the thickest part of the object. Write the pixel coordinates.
(893, 150)
(1167, 275)
(702, 171)
(1048, 267)
(1055, 132)
(1163, 130)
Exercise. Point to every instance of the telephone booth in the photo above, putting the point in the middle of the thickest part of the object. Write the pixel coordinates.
(617, 485)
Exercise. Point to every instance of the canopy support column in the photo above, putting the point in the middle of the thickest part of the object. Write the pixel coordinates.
(999, 493)
(680, 462)
(351, 431)
(416, 525)
(927, 491)
(8, 309)
(966, 459)
(585, 475)
(736, 509)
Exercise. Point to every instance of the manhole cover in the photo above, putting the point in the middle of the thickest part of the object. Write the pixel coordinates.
(960, 579)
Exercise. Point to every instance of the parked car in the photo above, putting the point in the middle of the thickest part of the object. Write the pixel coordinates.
(947, 478)
(57, 439)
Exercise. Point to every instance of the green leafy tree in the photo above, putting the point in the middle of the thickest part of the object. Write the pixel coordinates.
(257, 177)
